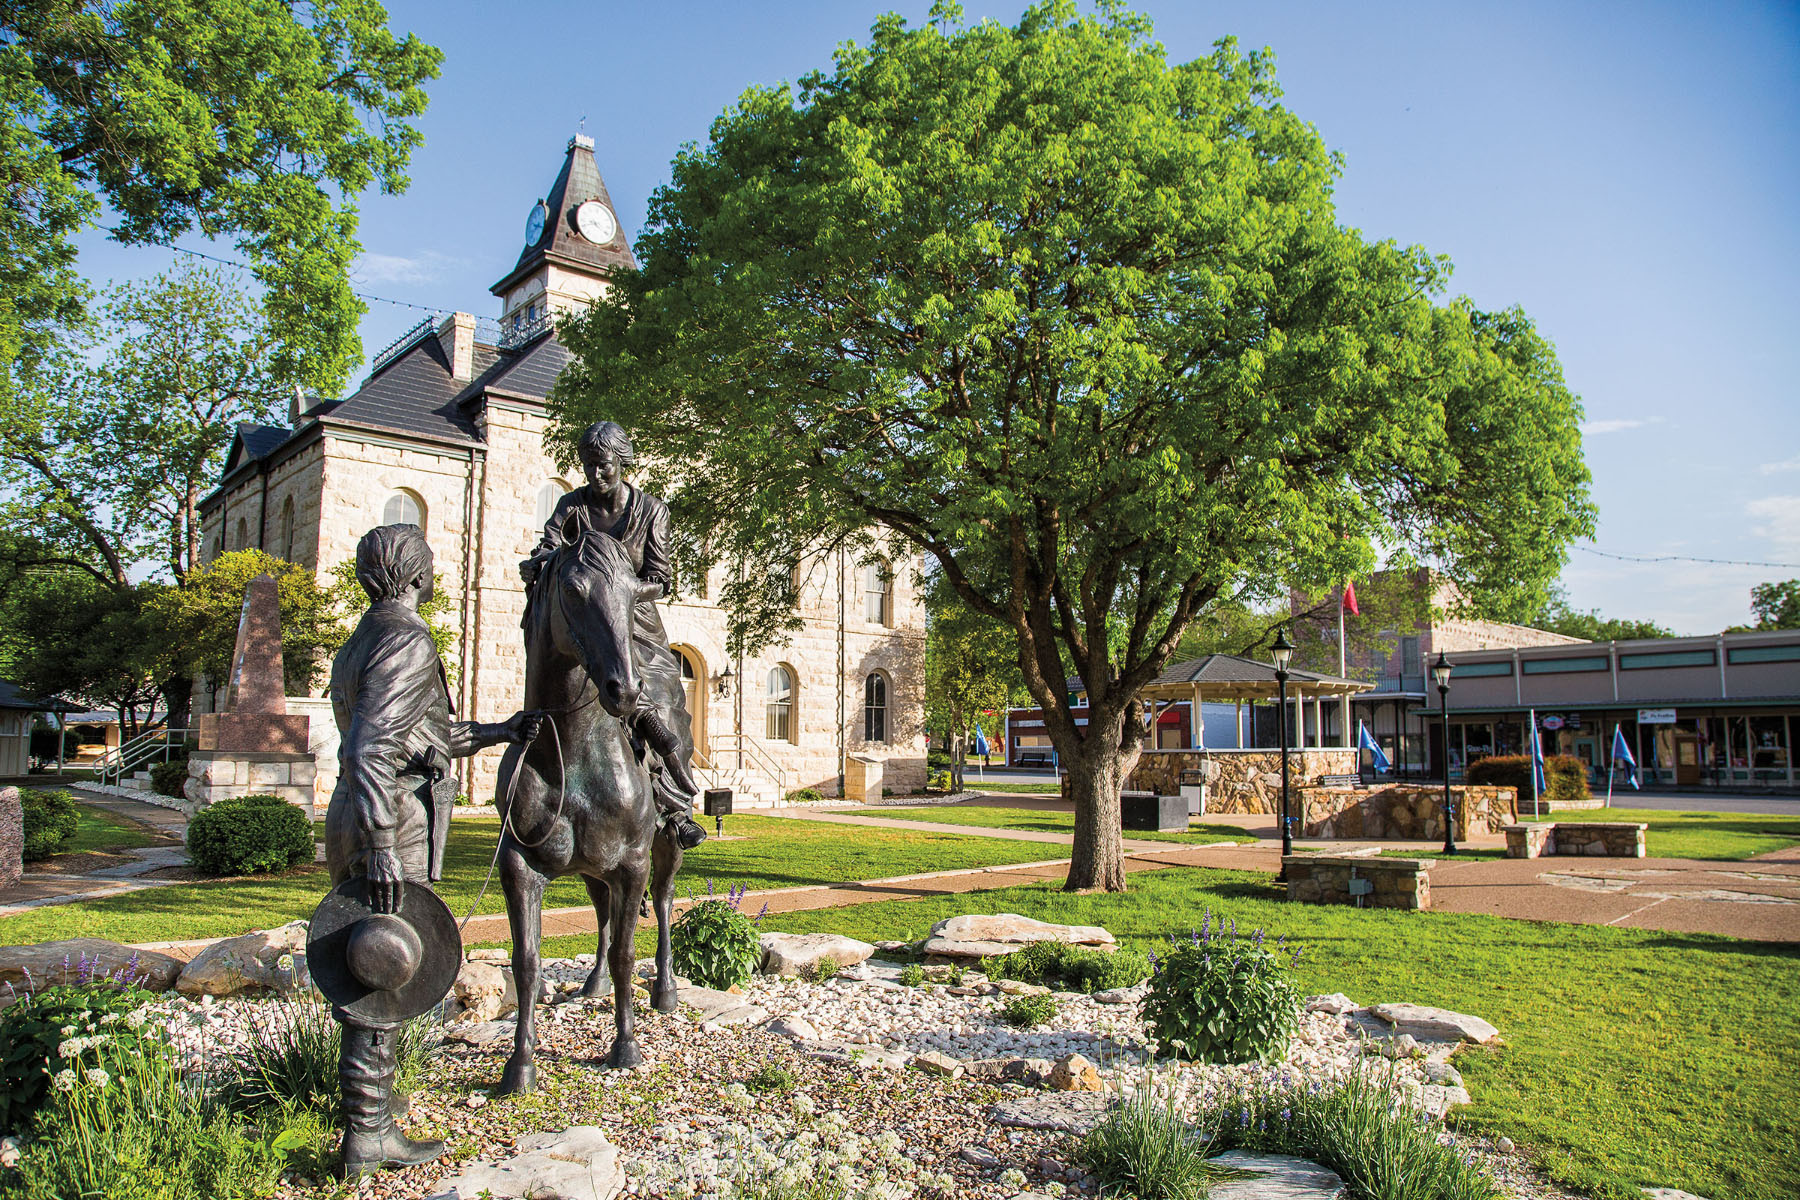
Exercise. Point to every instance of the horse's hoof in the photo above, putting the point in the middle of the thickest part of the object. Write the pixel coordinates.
(664, 999)
(624, 1055)
(517, 1079)
(596, 987)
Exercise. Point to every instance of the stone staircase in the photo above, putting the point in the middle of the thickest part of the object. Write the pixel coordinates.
(749, 787)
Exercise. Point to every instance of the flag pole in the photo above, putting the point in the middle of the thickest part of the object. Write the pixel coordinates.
(1532, 752)
(1343, 700)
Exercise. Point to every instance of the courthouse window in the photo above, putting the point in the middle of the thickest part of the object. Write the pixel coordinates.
(404, 508)
(875, 588)
(875, 708)
(778, 705)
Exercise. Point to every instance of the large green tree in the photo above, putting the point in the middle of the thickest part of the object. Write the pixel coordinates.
(65, 633)
(1558, 617)
(257, 121)
(971, 673)
(1081, 325)
(1776, 604)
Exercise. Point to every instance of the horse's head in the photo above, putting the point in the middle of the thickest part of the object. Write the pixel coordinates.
(595, 588)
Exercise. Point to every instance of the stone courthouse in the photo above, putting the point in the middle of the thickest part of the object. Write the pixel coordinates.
(447, 433)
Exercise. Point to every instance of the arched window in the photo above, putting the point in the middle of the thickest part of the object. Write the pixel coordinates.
(876, 582)
(778, 703)
(404, 508)
(243, 534)
(547, 498)
(286, 539)
(875, 708)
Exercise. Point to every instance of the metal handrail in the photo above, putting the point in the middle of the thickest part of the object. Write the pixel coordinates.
(760, 756)
(516, 332)
(401, 344)
(141, 749)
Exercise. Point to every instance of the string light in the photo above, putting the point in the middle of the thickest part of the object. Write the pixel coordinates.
(1658, 558)
(226, 262)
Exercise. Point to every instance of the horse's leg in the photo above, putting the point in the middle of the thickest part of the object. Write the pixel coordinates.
(665, 857)
(595, 986)
(625, 886)
(524, 913)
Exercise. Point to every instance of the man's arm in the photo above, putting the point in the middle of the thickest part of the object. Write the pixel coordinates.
(467, 737)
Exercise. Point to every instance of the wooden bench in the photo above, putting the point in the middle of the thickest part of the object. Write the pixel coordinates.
(1597, 839)
(1033, 758)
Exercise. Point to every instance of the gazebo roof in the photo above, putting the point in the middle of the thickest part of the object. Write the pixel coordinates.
(1232, 677)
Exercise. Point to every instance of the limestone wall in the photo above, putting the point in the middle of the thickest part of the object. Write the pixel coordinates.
(1240, 781)
(1365, 882)
(1601, 839)
(1412, 812)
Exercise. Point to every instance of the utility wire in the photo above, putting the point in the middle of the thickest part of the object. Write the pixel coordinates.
(226, 262)
(1656, 558)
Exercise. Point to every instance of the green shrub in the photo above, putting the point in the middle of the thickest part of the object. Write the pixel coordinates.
(715, 945)
(1565, 776)
(1026, 1011)
(170, 778)
(937, 760)
(822, 971)
(243, 835)
(770, 1078)
(33, 1041)
(1145, 1149)
(1071, 968)
(51, 818)
(290, 1060)
(805, 796)
(912, 975)
(939, 782)
(1219, 998)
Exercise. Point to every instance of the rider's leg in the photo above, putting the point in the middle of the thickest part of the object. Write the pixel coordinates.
(675, 799)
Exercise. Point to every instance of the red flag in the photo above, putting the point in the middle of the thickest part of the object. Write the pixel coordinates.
(1350, 599)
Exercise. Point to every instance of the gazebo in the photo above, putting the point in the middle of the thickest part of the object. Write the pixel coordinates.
(1230, 678)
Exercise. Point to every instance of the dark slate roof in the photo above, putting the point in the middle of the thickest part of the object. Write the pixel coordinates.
(415, 394)
(579, 182)
(1230, 668)
(527, 372)
(254, 443)
(14, 697)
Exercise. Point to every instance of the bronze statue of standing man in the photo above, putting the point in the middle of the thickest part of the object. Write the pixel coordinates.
(383, 947)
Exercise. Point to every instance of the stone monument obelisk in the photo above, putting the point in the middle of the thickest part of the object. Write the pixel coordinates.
(255, 745)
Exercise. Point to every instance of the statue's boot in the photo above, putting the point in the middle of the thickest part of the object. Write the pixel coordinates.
(366, 1078)
(675, 799)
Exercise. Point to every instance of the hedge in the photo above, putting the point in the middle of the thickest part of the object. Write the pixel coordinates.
(1565, 776)
(51, 819)
(242, 835)
(170, 778)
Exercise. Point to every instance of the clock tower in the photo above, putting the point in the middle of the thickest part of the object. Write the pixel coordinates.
(573, 241)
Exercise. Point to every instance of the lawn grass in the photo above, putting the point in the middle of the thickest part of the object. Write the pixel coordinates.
(1047, 788)
(772, 853)
(1712, 836)
(105, 832)
(1463, 854)
(1049, 821)
(1632, 1058)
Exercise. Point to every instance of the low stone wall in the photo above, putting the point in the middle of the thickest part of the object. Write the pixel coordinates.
(1414, 812)
(1239, 781)
(1598, 839)
(1365, 882)
(214, 775)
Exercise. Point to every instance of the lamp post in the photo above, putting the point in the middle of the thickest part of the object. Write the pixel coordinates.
(1440, 672)
(1283, 653)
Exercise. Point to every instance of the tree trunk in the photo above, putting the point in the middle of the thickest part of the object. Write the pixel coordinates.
(1094, 781)
(178, 700)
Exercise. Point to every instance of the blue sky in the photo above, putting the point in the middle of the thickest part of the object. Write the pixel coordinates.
(1629, 173)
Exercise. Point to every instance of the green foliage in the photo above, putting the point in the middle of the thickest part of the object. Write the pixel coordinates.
(67, 633)
(715, 945)
(201, 617)
(1027, 1011)
(264, 137)
(1146, 1149)
(243, 835)
(971, 672)
(805, 796)
(44, 739)
(1557, 617)
(1383, 1150)
(822, 971)
(1071, 968)
(1565, 776)
(290, 1060)
(33, 1040)
(1220, 998)
(937, 760)
(348, 601)
(770, 1078)
(939, 781)
(51, 819)
(1107, 364)
(1391, 602)
(1776, 605)
(170, 778)
(912, 975)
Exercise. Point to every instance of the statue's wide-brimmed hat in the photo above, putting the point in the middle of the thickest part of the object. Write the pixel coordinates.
(383, 967)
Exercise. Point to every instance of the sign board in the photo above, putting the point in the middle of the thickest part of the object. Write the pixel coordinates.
(1551, 723)
(1656, 716)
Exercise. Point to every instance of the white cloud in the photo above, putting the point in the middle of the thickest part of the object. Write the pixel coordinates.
(398, 268)
(1792, 464)
(1595, 428)
(1781, 521)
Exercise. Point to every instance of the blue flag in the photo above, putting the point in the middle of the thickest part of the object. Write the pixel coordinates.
(1621, 753)
(1366, 741)
(981, 746)
(1537, 761)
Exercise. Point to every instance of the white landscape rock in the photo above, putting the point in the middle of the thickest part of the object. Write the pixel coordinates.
(790, 953)
(796, 1029)
(1275, 1177)
(250, 963)
(1435, 1024)
(989, 935)
(485, 992)
(1336, 1003)
(576, 1164)
(31, 967)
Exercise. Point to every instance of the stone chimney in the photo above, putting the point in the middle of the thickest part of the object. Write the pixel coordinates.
(300, 405)
(457, 335)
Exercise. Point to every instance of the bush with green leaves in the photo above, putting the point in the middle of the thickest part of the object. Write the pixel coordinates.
(912, 975)
(715, 944)
(1027, 1011)
(1147, 1149)
(770, 1078)
(170, 778)
(1222, 998)
(806, 796)
(1565, 776)
(46, 1031)
(823, 971)
(243, 835)
(51, 818)
(1070, 968)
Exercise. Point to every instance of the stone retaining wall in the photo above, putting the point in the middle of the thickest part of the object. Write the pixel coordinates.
(1599, 839)
(1414, 812)
(1240, 781)
(1390, 882)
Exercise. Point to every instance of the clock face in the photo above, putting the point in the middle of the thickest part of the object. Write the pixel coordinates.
(534, 224)
(596, 223)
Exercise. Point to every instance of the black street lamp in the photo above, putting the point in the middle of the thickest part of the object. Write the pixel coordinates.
(1283, 653)
(1440, 672)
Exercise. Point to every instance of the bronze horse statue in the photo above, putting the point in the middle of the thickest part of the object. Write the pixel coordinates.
(577, 800)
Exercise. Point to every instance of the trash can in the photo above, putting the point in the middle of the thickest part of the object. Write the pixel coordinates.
(1149, 811)
(1193, 792)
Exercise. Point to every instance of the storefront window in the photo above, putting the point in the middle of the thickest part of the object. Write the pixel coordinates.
(1769, 749)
